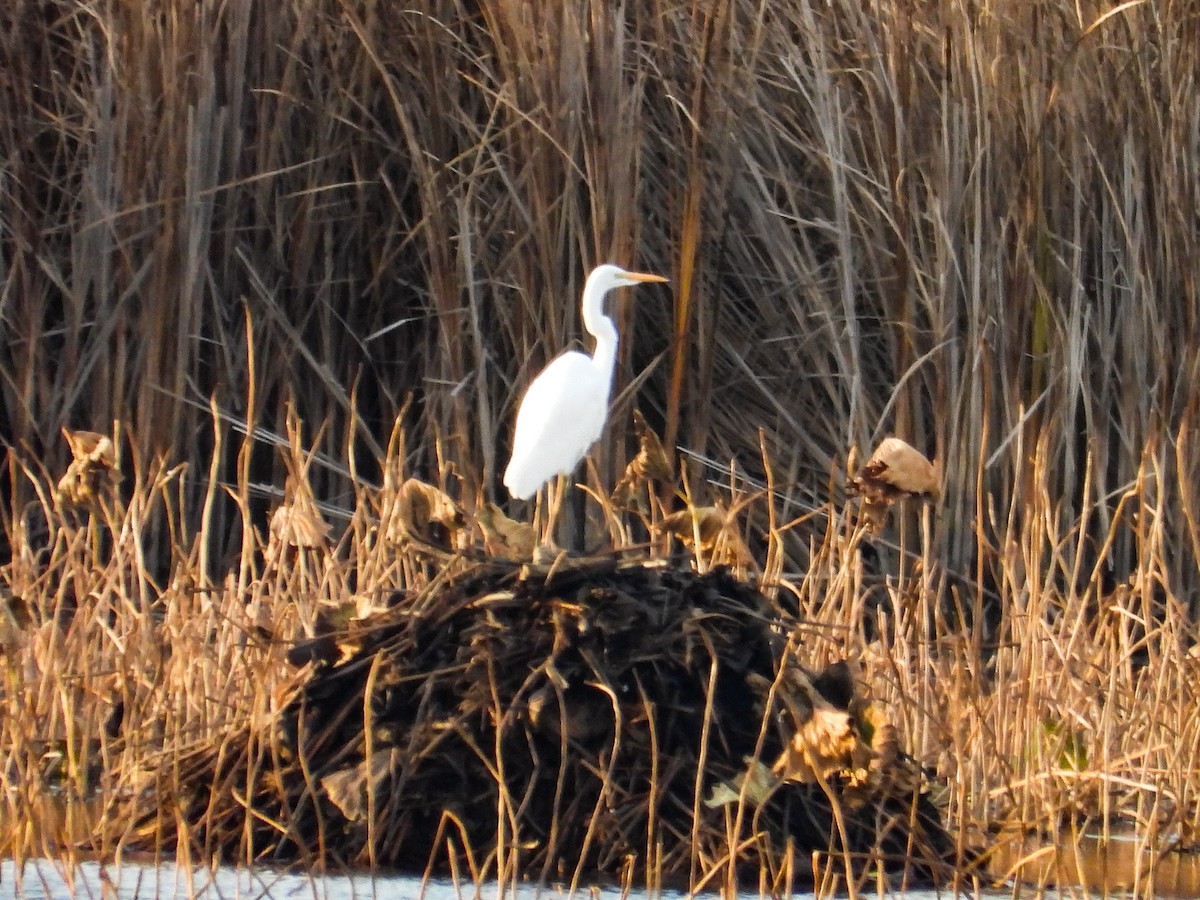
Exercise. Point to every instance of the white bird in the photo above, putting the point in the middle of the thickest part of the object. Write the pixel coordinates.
(564, 409)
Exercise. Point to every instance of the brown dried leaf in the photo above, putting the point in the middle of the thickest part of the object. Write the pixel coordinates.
(650, 464)
(894, 471)
(92, 473)
(347, 789)
(716, 529)
(825, 740)
(758, 780)
(503, 536)
(824, 745)
(426, 513)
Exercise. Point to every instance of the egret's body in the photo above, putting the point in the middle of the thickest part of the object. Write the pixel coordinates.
(564, 409)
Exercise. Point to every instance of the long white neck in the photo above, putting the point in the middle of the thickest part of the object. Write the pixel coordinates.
(600, 326)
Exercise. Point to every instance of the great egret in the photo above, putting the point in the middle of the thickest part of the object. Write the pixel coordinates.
(563, 411)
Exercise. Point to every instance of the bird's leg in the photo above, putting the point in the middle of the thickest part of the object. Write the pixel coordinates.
(556, 489)
(543, 513)
(545, 517)
(538, 512)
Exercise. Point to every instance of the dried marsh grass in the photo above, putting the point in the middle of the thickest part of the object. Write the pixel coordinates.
(390, 695)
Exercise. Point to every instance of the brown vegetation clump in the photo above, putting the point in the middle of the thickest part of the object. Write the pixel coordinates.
(581, 721)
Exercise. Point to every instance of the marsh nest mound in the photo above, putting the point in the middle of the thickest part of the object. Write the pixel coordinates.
(597, 717)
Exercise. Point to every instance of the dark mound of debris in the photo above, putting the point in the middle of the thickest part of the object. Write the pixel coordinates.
(594, 718)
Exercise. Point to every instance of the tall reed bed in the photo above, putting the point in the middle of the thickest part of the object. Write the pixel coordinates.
(966, 225)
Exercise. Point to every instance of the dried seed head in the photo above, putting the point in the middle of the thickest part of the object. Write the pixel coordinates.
(92, 473)
(299, 525)
(650, 464)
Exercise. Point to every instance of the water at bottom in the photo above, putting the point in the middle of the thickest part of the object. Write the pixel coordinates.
(47, 880)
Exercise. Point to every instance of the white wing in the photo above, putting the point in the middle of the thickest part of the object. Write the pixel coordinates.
(561, 416)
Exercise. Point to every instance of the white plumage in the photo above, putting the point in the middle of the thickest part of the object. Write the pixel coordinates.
(563, 411)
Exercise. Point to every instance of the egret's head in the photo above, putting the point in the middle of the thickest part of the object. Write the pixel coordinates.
(610, 276)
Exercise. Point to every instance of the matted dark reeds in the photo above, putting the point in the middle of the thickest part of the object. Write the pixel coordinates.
(631, 718)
